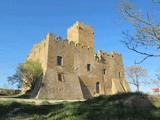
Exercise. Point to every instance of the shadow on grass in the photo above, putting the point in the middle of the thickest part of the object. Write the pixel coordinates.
(28, 109)
(99, 108)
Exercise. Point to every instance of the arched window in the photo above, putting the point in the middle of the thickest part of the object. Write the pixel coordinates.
(97, 87)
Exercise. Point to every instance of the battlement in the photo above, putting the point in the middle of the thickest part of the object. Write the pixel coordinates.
(102, 56)
(59, 40)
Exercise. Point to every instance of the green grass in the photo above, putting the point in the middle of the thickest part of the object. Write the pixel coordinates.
(99, 108)
(157, 104)
(14, 96)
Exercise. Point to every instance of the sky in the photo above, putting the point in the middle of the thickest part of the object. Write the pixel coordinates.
(26, 22)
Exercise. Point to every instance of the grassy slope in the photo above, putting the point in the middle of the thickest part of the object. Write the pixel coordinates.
(100, 108)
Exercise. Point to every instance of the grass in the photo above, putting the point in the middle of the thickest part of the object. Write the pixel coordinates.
(157, 104)
(99, 108)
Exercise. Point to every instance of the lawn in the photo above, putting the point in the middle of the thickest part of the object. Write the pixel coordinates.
(99, 108)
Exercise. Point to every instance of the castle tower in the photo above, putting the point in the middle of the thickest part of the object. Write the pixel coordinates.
(82, 34)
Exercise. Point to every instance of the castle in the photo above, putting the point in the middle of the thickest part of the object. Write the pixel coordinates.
(72, 70)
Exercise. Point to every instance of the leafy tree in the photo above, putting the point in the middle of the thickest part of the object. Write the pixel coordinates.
(26, 73)
(134, 74)
(144, 38)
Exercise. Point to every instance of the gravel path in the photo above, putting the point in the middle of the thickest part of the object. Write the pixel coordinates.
(37, 101)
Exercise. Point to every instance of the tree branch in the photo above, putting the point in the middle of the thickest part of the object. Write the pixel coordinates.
(146, 32)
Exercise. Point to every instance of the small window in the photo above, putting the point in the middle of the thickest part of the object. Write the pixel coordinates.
(104, 71)
(120, 74)
(88, 67)
(59, 60)
(60, 77)
(97, 87)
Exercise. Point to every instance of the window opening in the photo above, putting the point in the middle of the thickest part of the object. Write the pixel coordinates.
(97, 87)
(104, 71)
(88, 67)
(59, 60)
(60, 77)
(120, 75)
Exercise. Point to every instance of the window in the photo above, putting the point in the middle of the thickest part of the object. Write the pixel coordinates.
(120, 74)
(59, 60)
(97, 87)
(60, 77)
(88, 67)
(104, 71)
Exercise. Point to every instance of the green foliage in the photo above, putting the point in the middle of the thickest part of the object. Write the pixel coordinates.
(45, 102)
(157, 104)
(98, 108)
(30, 71)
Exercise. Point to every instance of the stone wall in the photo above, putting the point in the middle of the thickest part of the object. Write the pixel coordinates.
(72, 79)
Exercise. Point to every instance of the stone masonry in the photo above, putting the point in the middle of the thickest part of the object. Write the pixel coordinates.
(71, 69)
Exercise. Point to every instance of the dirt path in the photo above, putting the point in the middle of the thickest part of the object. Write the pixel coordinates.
(37, 101)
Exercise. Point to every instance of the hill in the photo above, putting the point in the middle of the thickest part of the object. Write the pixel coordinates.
(126, 106)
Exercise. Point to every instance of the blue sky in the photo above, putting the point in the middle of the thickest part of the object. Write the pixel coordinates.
(26, 22)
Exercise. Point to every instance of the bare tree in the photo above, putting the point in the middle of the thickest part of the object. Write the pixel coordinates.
(156, 1)
(135, 75)
(145, 37)
(156, 81)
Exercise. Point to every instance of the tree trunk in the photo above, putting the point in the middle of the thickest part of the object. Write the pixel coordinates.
(137, 83)
(137, 88)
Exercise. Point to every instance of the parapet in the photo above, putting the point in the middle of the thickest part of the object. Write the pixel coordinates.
(101, 56)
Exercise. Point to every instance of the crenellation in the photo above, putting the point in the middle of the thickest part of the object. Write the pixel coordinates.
(50, 36)
(72, 66)
(72, 43)
(59, 38)
(65, 40)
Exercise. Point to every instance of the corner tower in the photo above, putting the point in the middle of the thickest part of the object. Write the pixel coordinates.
(82, 34)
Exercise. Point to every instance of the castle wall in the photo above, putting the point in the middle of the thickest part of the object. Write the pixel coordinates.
(75, 60)
(71, 70)
(38, 53)
(115, 70)
(69, 87)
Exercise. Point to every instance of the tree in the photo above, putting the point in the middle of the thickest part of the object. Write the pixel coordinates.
(145, 37)
(17, 78)
(156, 81)
(30, 71)
(135, 75)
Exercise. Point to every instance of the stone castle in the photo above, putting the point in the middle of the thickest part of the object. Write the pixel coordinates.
(71, 69)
